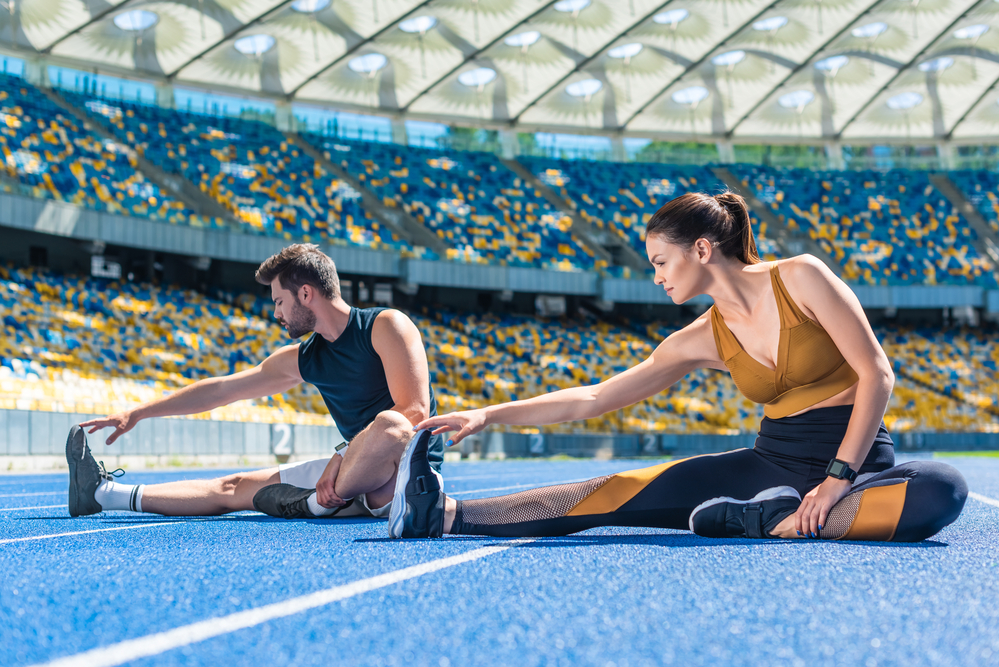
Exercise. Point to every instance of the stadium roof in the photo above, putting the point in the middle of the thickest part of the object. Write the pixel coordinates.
(784, 70)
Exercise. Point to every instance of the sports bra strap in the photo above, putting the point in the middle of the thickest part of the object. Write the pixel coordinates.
(726, 342)
(790, 314)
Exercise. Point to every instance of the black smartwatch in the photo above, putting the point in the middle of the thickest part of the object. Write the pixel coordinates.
(841, 470)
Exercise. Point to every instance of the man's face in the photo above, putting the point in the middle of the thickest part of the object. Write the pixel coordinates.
(290, 312)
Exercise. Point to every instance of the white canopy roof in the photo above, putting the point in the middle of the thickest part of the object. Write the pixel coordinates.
(784, 70)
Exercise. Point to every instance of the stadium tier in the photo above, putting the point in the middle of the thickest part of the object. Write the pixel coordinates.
(271, 186)
(621, 197)
(77, 345)
(52, 155)
(71, 344)
(883, 228)
(477, 206)
(889, 227)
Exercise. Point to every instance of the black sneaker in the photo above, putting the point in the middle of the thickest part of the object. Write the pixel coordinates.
(85, 474)
(755, 518)
(418, 501)
(286, 501)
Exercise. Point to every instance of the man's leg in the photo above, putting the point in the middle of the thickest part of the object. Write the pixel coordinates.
(366, 473)
(91, 490)
(372, 459)
(207, 497)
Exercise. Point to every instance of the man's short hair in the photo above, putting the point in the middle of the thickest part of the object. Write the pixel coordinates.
(301, 264)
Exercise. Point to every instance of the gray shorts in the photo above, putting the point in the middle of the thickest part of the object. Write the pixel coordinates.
(305, 474)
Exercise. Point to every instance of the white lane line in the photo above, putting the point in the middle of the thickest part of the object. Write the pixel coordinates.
(96, 530)
(25, 495)
(516, 486)
(37, 507)
(142, 647)
(984, 499)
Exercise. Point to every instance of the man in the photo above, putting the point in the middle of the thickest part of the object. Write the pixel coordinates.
(370, 368)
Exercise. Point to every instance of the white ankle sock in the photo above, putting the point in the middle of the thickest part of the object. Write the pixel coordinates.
(117, 496)
(317, 509)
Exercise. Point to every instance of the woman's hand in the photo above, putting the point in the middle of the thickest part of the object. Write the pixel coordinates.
(815, 506)
(465, 423)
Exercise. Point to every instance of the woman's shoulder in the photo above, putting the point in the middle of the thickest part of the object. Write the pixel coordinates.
(801, 266)
(695, 342)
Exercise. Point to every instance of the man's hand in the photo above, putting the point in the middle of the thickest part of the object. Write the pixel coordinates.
(325, 493)
(815, 506)
(122, 423)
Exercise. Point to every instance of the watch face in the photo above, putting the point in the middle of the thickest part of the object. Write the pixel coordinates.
(836, 468)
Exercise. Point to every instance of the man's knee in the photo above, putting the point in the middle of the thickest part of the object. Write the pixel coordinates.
(229, 485)
(393, 424)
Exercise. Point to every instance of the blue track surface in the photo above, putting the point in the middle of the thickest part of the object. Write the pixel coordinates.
(604, 597)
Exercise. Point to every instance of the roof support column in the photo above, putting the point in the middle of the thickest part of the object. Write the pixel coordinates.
(36, 72)
(834, 154)
(945, 153)
(283, 118)
(164, 95)
(399, 134)
(618, 152)
(726, 152)
(509, 145)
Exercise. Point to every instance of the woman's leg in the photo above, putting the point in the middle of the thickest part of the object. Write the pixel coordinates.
(661, 496)
(907, 503)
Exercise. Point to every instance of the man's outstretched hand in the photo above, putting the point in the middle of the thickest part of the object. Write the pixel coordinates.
(122, 423)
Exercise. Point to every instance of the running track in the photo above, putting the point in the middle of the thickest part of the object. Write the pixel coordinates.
(246, 589)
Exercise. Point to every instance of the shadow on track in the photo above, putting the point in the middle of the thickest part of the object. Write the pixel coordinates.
(655, 540)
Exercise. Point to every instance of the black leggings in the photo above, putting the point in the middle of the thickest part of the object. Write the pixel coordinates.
(905, 503)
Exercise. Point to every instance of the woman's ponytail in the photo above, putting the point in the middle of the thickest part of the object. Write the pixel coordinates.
(741, 241)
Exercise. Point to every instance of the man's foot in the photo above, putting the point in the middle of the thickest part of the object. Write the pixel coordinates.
(85, 474)
(418, 501)
(755, 518)
(285, 501)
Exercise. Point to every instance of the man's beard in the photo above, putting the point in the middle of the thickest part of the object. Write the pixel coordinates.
(300, 321)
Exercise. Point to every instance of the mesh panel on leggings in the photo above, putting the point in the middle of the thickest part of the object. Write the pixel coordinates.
(548, 502)
(841, 516)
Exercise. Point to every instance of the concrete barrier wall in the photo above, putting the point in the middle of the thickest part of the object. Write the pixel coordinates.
(44, 434)
(25, 433)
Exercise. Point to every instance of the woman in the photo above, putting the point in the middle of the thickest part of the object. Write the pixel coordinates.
(795, 339)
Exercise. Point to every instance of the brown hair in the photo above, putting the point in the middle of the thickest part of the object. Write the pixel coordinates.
(722, 219)
(301, 264)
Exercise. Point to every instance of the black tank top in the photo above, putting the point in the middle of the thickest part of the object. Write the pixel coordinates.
(351, 379)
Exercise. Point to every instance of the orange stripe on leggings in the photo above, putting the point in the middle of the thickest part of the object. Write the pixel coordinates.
(619, 489)
(879, 513)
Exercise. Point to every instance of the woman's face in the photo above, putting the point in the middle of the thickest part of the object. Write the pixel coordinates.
(674, 269)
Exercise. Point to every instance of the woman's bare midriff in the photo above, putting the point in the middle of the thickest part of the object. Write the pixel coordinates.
(845, 397)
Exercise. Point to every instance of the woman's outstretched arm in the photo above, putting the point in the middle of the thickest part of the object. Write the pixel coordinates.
(676, 356)
(836, 308)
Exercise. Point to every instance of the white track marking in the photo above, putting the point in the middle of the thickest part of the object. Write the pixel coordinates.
(38, 507)
(142, 647)
(25, 495)
(516, 486)
(984, 499)
(96, 530)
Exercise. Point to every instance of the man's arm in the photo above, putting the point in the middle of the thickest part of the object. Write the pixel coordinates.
(400, 346)
(276, 374)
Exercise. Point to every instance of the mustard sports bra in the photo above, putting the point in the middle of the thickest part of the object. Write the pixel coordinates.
(809, 369)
